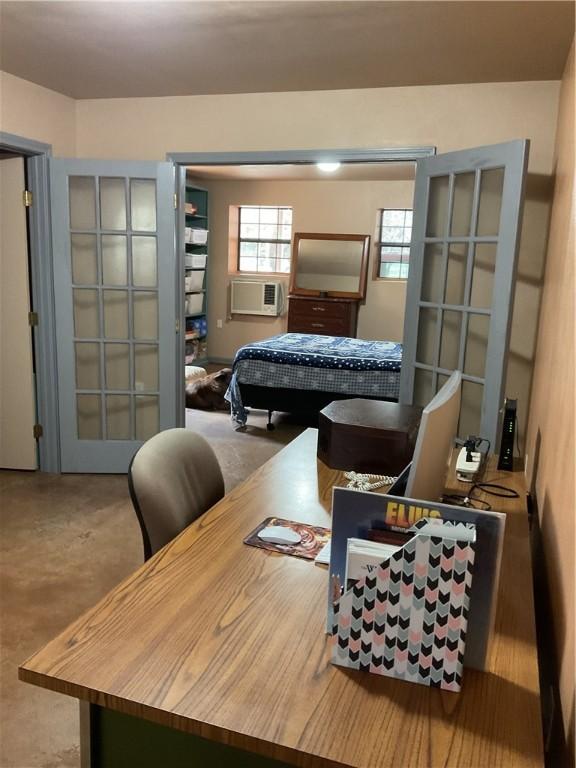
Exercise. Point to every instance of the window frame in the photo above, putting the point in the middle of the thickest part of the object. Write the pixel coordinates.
(380, 244)
(278, 241)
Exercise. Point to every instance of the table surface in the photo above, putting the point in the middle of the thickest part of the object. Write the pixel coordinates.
(228, 642)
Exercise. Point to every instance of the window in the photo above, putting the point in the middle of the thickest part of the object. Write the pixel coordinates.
(264, 238)
(394, 244)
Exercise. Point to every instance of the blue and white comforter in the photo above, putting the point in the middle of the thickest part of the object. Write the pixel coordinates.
(324, 363)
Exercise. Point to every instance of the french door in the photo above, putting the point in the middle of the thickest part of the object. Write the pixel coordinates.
(466, 226)
(115, 299)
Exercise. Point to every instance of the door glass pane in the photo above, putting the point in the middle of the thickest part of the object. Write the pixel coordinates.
(450, 342)
(145, 367)
(147, 416)
(84, 259)
(145, 314)
(462, 204)
(118, 417)
(143, 204)
(117, 358)
(456, 275)
(144, 261)
(422, 387)
(88, 416)
(483, 275)
(82, 200)
(427, 324)
(86, 313)
(116, 314)
(476, 345)
(112, 203)
(470, 409)
(432, 273)
(437, 206)
(491, 185)
(114, 260)
(87, 365)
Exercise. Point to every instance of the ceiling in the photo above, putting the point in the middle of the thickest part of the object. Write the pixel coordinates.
(123, 49)
(346, 172)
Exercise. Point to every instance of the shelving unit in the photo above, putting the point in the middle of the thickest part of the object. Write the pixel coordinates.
(195, 275)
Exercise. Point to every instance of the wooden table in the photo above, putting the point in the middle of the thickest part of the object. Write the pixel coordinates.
(226, 642)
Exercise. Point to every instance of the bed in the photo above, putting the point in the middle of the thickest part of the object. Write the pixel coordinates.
(297, 372)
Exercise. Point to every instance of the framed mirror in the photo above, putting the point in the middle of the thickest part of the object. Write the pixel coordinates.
(329, 265)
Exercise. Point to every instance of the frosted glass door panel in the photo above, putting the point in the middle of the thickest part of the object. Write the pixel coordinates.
(86, 313)
(82, 195)
(143, 205)
(113, 204)
(462, 268)
(491, 187)
(144, 261)
(437, 206)
(114, 268)
(87, 365)
(84, 259)
(117, 361)
(115, 314)
(462, 204)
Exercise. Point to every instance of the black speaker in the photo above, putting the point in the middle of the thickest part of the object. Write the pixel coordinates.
(506, 458)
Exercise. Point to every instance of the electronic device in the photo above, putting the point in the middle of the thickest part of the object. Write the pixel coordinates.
(251, 297)
(438, 427)
(278, 534)
(506, 457)
(468, 465)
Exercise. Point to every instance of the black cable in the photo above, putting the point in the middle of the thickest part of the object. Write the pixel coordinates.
(492, 489)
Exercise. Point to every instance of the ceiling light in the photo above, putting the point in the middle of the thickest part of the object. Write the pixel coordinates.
(328, 167)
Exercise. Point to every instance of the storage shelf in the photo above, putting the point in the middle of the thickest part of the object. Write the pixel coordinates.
(197, 314)
(197, 216)
(200, 290)
(195, 269)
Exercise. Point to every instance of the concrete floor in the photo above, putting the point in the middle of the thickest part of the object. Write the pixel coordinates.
(66, 540)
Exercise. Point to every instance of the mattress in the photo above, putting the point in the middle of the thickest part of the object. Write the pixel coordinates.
(324, 363)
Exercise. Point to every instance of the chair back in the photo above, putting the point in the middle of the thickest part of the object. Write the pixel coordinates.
(173, 479)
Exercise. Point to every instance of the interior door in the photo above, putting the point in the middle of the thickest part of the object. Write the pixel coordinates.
(466, 225)
(115, 298)
(17, 396)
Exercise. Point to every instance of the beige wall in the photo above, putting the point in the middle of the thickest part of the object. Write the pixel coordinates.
(28, 110)
(550, 444)
(318, 206)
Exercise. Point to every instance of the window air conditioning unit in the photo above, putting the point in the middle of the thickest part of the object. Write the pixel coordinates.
(249, 297)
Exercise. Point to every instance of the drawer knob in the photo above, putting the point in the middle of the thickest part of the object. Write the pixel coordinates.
(319, 309)
(317, 325)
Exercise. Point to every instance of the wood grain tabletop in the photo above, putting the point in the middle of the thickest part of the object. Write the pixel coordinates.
(228, 642)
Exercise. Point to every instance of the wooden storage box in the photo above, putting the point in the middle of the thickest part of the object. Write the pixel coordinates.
(368, 435)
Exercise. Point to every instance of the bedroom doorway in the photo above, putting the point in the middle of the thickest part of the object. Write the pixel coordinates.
(214, 192)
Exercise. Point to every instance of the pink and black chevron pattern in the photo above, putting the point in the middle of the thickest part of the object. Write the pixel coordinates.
(408, 618)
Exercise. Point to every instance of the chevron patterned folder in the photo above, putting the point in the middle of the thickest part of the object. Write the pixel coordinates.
(407, 619)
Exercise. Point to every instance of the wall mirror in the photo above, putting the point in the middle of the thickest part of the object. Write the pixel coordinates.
(331, 265)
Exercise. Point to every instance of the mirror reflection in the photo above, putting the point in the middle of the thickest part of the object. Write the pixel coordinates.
(331, 264)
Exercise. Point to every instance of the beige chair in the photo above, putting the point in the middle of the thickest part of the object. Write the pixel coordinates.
(173, 479)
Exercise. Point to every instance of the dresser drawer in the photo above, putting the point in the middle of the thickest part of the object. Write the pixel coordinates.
(319, 309)
(329, 326)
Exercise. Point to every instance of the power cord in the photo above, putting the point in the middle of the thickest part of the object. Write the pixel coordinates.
(490, 489)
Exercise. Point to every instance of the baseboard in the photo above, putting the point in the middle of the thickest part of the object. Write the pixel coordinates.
(556, 749)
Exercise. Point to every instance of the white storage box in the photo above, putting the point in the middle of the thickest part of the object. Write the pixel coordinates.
(197, 260)
(195, 281)
(196, 236)
(194, 303)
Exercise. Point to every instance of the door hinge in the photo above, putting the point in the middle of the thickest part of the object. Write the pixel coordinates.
(175, 201)
(27, 198)
(32, 319)
(38, 431)
(177, 326)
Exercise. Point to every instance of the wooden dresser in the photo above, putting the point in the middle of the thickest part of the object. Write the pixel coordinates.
(327, 317)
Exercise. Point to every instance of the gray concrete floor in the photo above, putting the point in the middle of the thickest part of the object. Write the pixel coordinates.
(66, 540)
